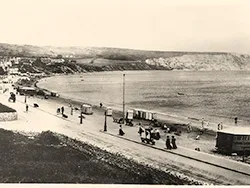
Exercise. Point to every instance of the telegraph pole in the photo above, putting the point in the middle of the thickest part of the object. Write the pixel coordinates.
(105, 121)
(123, 98)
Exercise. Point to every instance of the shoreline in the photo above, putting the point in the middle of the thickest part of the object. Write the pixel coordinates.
(162, 117)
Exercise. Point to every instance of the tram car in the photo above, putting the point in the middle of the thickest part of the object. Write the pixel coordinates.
(233, 140)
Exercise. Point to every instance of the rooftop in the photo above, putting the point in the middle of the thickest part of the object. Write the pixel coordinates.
(236, 130)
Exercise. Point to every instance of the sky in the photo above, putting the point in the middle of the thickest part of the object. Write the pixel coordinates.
(176, 25)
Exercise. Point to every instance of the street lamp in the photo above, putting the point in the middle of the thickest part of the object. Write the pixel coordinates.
(123, 111)
(105, 121)
(81, 117)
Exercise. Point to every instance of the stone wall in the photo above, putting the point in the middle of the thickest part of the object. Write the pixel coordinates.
(8, 116)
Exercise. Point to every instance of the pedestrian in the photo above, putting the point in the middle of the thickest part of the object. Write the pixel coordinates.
(140, 131)
(218, 126)
(25, 99)
(58, 111)
(62, 110)
(100, 105)
(168, 145)
(221, 126)
(157, 132)
(202, 123)
(173, 141)
(27, 107)
(207, 125)
(236, 120)
(189, 128)
(72, 109)
(121, 132)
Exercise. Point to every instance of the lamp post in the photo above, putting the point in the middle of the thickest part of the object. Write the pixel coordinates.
(81, 117)
(105, 121)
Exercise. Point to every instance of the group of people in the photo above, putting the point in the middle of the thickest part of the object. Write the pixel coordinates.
(171, 144)
(149, 133)
(60, 110)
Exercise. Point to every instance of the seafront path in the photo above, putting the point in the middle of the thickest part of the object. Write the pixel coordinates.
(183, 162)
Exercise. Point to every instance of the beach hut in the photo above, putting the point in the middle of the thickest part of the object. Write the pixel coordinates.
(129, 114)
(154, 116)
(27, 91)
(144, 114)
(233, 140)
(109, 111)
(86, 109)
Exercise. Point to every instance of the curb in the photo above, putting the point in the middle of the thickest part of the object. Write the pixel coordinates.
(154, 147)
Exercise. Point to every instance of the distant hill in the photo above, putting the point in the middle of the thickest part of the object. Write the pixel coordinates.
(87, 52)
(85, 59)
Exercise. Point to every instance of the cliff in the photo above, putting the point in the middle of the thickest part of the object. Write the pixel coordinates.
(226, 61)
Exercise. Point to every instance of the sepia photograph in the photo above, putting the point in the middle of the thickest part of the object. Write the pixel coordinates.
(125, 92)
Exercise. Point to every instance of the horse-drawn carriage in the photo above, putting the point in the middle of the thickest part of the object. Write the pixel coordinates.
(120, 121)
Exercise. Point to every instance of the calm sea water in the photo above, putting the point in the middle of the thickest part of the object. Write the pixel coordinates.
(213, 95)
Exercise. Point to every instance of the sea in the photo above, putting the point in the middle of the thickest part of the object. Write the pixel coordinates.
(214, 95)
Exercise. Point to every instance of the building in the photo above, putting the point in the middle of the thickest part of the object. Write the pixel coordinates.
(13, 71)
(27, 91)
(233, 140)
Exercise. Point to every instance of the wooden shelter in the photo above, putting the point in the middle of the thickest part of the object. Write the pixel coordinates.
(233, 140)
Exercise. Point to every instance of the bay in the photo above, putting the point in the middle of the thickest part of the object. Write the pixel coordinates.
(214, 95)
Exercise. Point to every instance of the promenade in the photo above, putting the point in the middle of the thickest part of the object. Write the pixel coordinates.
(183, 161)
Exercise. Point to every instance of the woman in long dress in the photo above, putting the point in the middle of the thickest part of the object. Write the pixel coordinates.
(168, 145)
(173, 141)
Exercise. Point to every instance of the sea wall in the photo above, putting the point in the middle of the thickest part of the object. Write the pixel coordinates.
(8, 116)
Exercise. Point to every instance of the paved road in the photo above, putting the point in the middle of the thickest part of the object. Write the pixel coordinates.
(45, 118)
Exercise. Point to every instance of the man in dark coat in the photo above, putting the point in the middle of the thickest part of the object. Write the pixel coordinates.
(121, 133)
(62, 110)
(168, 145)
(173, 141)
(140, 130)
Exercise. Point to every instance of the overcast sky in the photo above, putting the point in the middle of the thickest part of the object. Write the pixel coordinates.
(183, 25)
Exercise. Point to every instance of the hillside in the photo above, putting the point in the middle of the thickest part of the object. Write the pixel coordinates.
(86, 59)
(87, 52)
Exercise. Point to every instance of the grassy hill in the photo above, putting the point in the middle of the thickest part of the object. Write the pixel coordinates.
(87, 52)
(86, 59)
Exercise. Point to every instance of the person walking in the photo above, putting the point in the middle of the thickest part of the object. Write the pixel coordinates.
(221, 126)
(218, 126)
(140, 131)
(27, 107)
(202, 123)
(58, 111)
(189, 127)
(62, 110)
(236, 121)
(173, 141)
(121, 132)
(168, 144)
